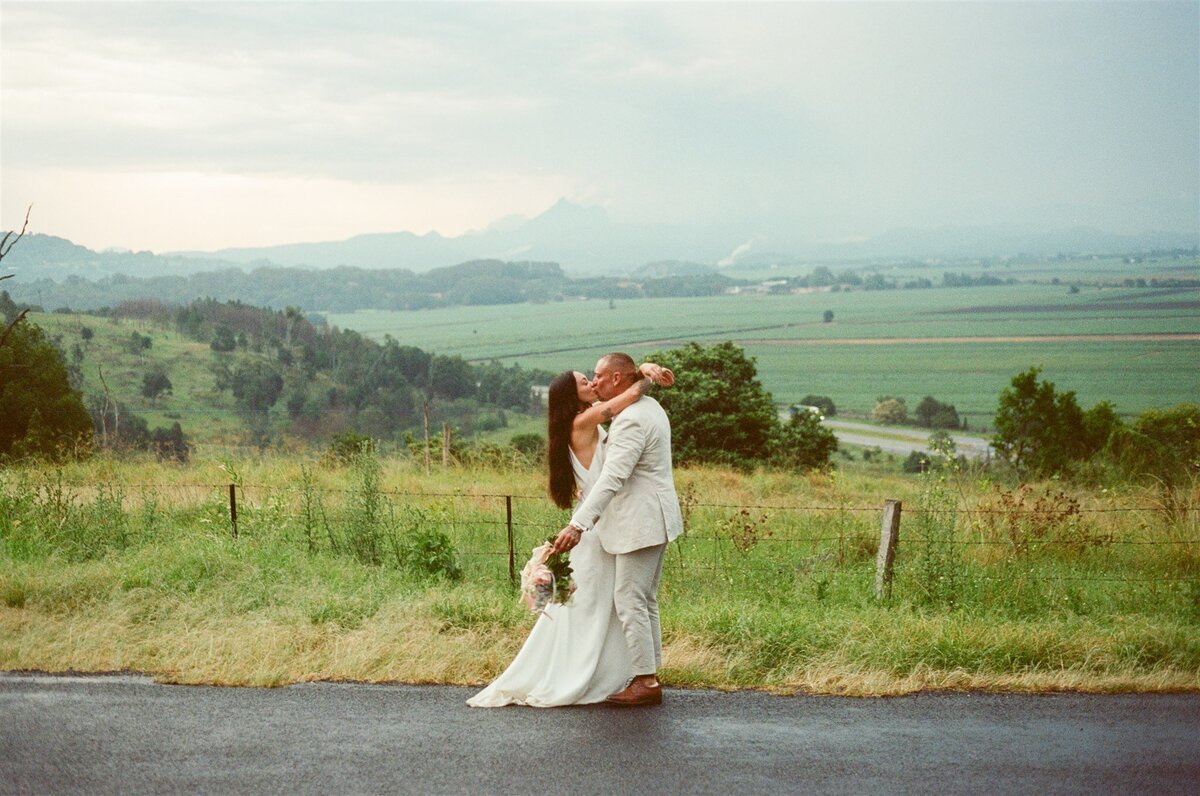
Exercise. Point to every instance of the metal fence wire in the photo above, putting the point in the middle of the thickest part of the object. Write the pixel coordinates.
(785, 545)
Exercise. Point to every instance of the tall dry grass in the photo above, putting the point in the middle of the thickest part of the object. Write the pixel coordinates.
(114, 565)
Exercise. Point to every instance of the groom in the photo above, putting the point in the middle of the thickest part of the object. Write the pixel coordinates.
(634, 511)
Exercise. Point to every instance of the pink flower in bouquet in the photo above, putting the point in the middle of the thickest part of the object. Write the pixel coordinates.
(539, 586)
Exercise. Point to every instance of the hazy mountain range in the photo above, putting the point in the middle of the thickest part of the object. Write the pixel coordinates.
(586, 241)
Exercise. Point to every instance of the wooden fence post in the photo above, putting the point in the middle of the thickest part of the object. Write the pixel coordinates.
(445, 444)
(512, 560)
(233, 509)
(889, 537)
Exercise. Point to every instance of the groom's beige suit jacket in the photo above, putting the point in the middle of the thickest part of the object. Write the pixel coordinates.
(633, 503)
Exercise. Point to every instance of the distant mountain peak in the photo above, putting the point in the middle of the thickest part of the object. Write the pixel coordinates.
(566, 211)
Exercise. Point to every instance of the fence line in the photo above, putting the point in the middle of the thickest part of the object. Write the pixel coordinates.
(737, 506)
(888, 540)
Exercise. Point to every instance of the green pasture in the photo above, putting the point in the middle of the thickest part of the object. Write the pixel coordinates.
(1082, 270)
(194, 401)
(1134, 375)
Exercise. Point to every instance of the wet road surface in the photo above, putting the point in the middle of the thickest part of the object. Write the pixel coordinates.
(125, 734)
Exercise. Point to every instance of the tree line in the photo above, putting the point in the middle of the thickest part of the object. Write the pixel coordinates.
(347, 288)
(334, 382)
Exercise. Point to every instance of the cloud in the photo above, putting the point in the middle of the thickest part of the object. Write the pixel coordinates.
(823, 120)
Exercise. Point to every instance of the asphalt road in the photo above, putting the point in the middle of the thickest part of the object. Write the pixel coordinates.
(125, 734)
(860, 434)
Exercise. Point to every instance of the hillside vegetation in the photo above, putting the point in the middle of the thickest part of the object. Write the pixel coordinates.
(239, 375)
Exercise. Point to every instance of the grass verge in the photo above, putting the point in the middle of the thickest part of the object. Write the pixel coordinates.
(772, 587)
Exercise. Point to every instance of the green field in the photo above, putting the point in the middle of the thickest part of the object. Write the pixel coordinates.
(785, 334)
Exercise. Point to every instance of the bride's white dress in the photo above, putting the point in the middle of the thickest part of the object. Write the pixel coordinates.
(576, 653)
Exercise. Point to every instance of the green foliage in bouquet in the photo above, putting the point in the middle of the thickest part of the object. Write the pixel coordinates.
(559, 565)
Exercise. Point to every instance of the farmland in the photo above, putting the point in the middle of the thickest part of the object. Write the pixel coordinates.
(1133, 346)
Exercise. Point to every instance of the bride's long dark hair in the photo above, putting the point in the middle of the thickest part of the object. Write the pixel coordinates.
(563, 406)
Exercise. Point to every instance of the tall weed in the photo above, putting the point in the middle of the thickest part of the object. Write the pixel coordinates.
(937, 560)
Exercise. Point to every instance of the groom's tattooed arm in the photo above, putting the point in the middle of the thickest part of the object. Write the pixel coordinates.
(641, 386)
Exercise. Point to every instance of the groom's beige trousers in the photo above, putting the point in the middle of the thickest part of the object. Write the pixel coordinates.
(635, 596)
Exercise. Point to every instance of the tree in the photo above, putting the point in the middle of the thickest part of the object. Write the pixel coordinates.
(803, 443)
(1038, 429)
(11, 315)
(86, 333)
(932, 413)
(821, 276)
(136, 344)
(256, 387)
(890, 411)
(116, 426)
(223, 339)
(822, 402)
(451, 377)
(154, 384)
(1100, 423)
(827, 316)
(41, 415)
(1163, 444)
(719, 411)
(170, 443)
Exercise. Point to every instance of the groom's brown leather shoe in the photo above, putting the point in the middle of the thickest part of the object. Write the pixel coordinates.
(637, 694)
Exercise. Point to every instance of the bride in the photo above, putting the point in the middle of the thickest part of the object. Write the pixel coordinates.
(576, 653)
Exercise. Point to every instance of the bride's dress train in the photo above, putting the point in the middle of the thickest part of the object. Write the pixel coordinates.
(576, 653)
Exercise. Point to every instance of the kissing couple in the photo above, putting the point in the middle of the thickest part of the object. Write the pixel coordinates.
(605, 645)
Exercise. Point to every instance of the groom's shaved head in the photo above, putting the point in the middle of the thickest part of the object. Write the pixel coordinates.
(614, 372)
(619, 363)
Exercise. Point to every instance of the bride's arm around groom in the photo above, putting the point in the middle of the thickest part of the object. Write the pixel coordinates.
(634, 511)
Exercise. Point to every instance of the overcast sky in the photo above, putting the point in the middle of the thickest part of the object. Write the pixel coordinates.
(169, 126)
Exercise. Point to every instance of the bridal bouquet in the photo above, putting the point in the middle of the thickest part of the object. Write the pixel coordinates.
(546, 578)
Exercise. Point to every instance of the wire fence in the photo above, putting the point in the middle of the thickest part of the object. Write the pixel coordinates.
(787, 544)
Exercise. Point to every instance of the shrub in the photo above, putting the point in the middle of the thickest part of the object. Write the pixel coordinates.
(932, 413)
(890, 411)
(803, 443)
(918, 462)
(430, 552)
(531, 446)
(170, 443)
(822, 402)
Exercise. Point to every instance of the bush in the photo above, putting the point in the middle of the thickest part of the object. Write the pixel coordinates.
(155, 383)
(890, 411)
(822, 402)
(344, 447)
(918, 462)
(531, 446)
(170, 443)
(1163, 444)
(223, 339)
(430, 553)
(932, 413)
(803, 443)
